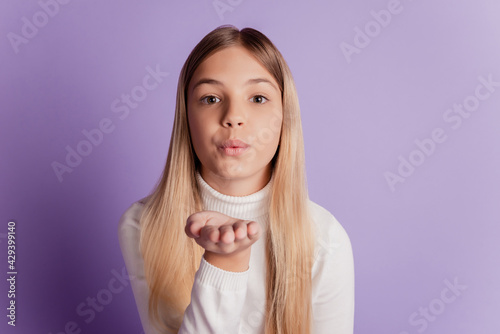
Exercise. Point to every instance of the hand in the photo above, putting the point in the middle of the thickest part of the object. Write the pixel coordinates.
(221, 234)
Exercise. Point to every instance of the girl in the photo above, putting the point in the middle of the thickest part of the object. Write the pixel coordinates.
(228, 241)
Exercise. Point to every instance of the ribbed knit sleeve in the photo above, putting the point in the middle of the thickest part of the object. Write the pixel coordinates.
(128, 237)
(332, 276)
(217, 300)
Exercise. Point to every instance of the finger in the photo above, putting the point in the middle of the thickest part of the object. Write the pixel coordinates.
(193, 228)
(210, 233)
(240, 230)
(226, 234)
(253, 230)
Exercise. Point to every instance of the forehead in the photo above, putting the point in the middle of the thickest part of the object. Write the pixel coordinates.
(234, 65)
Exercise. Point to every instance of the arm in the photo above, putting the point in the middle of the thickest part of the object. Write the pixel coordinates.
(217, 300)
(333, 281)
(217, 296)
(220, 284)
(128, 236)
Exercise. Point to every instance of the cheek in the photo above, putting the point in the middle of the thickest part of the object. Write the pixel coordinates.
(195, 124)
(201, 136)
(198, 135)
(276, 124)
(194, 129)
(272, 128)
(275, 119)
(267, 136)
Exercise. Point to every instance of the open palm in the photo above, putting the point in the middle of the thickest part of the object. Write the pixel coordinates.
(221, 234)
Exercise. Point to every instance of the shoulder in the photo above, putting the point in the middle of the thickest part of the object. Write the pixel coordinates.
(129, 235)
(332, 273)
(330, 234)
(325, 221)
(130, 219)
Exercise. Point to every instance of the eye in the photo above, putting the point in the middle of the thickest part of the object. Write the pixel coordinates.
(210, 99)
(259, 99)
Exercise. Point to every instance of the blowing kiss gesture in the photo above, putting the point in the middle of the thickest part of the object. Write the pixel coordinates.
(226, 240)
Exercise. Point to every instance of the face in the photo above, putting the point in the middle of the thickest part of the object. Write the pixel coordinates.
(232, 96)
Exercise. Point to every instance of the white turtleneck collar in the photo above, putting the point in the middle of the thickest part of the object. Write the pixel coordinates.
(247, 207)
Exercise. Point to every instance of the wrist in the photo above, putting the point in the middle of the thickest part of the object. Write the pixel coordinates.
(235, 262)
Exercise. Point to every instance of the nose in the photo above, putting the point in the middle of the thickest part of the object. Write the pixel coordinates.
(234, 115)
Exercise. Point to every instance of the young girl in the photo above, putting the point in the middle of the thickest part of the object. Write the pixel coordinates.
(229, 241)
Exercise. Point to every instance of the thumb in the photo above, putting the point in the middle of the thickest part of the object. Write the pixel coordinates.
(193, 228)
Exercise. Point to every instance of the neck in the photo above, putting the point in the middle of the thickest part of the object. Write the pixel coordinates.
(247, 207)
(237, 186)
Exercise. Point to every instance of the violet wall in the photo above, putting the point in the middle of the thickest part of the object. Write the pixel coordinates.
(400, 104)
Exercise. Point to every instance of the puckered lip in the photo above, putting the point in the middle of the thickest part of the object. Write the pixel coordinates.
(233, 143)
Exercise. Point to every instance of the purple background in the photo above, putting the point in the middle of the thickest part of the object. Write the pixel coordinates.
(441, 224)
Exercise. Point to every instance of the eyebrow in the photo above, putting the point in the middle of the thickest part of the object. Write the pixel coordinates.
(218, 83)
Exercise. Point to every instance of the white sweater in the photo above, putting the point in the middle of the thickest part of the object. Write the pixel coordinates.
(225, 302)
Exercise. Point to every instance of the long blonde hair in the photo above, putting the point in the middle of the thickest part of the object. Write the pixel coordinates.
(171, 258)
